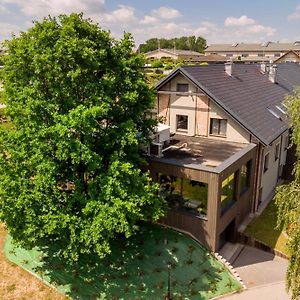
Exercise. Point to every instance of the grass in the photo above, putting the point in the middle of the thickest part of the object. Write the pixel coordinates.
(17, 284)
(136, 269)
(263, 228)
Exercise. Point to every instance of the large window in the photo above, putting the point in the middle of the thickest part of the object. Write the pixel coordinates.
(228, 193)
(266, 162)
(184, 194)
(182, 87)
(277, 151)
(218, 127)
(245, 177)
(181, 123)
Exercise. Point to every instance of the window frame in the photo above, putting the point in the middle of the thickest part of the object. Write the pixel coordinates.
(187, 123)
(219, 127)
(244, 189)
(277, 151)
(266, 168)
(185, 90)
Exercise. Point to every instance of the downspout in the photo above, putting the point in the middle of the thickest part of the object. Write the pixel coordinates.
(196, 109)
(279, 158)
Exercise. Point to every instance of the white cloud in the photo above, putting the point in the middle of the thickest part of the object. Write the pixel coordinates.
(295, 16)
(166, 13)
(7, 29)
(147, 20)
(241, 21)
(269, 31)
(123, 15)
(40, 8)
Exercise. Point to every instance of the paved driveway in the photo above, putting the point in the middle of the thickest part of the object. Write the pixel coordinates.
(262, 273)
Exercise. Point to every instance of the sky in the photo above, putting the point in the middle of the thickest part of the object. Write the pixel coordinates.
(218, 21)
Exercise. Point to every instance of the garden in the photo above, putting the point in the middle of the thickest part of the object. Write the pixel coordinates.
(136, 269)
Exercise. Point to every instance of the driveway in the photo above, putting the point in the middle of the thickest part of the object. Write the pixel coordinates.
(262, 273)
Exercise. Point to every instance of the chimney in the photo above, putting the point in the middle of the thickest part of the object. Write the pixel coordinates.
(273, 73)
(263, 67)
(228, 68)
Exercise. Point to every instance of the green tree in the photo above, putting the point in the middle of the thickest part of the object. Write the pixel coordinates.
(182, 43)
(69, 167)
(288, 202)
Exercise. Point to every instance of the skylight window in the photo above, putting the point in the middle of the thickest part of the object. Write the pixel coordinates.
(274, 113)
(281, 109)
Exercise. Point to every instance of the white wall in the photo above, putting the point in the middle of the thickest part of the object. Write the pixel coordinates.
(270, 177)
(235, 133)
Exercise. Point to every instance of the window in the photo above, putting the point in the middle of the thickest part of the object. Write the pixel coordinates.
(286, 142)
(245, 177)
(245, 55)
(182, 87)
(184, 194)
(229, 55)
(260, 54)
(266, 162)
(277, 55)
(218, 127)
(277, 150)
(228, 193)
(182, 123)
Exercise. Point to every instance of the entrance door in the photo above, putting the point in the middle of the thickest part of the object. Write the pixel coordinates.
(228, 234)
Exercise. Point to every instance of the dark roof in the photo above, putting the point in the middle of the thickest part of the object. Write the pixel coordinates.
(247, 95)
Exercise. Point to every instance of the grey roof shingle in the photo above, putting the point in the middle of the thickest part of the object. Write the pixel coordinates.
(247, 94)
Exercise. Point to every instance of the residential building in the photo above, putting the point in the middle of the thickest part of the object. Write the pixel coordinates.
(253, 52)
(223, 145)
(186, 55)
(290, 56)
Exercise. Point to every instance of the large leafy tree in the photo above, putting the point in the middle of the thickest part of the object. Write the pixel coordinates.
(69, 166)
(288, 202)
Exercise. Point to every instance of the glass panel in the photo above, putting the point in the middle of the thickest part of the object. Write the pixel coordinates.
(223, 127)
(214, 126)
(182, 87)
(184, 194)
(182, 122)
(195, 195)
(266, 162)
(228, 193)
(245, 177)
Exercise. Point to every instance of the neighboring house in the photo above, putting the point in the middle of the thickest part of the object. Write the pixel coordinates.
(186, 55)
(228, 144)
(290, 56)
(253, 52)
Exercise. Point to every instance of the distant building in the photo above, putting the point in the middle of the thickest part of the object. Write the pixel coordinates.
(290, 56)
(253, 52)
(186, 55)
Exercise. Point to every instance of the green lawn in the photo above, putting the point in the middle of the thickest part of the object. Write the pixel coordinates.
(263, 228)
(137, 269)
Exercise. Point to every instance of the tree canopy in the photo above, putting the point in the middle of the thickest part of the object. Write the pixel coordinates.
(182, 43)
(70, 165)
(288, 202)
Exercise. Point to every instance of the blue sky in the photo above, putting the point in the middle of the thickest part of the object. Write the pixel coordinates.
(218, 21)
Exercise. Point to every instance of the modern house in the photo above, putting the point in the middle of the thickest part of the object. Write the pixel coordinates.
(186, 55)
(222, 147)
(253, 52)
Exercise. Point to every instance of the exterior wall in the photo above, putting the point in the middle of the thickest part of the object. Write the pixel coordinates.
(235, 133)
(182, 105)
(199, 110)
(288, 57)
(207, 231)
(269, 178)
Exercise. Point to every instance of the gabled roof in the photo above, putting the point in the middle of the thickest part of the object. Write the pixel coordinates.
(288, 53)
(248, 95)
(175, 51)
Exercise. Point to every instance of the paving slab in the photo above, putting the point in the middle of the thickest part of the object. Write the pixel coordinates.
(258, 267)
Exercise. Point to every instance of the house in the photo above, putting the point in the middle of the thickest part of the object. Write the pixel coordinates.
(253, 52)
(186, 55)
(290, 56)
(227, 144)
